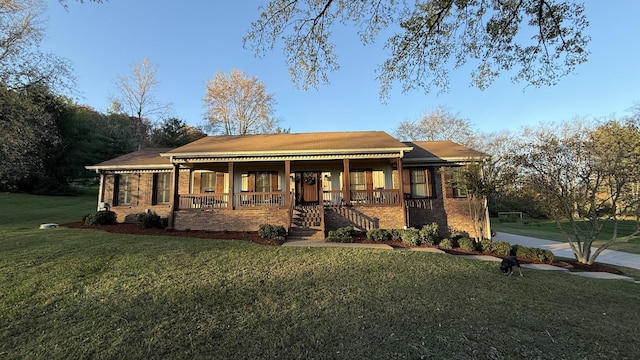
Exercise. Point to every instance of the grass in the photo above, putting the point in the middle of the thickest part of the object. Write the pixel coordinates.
(547, 229)
(70, 293)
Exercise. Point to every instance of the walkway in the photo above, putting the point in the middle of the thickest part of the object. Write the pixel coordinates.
(562, 249)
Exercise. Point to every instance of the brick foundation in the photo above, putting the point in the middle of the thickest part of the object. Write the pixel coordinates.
(230, 220)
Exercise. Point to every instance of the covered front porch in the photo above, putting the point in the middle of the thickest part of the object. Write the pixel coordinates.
(281, 186)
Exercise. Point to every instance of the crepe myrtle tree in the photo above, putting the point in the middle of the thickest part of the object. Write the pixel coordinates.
(477, 180)
(538, 41)
(585, 175)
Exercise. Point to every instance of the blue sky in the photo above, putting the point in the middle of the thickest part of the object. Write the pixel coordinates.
(191, 41)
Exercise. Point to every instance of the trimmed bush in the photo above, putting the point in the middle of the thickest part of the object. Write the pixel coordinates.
(396, 234)
(501, 248)
(429, 234)
(411, 236)
(343, 235)
(378, 235)
(446, 243)
(267, 231)
(522, 251)
(548, 256)
(102, 217)
(466, 244)
(485, 245)
(150, 220)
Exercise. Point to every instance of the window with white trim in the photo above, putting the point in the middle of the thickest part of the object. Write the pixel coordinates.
(161, 188)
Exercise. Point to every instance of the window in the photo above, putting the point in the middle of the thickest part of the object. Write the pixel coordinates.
(259, 181)
(244, 182)
(378, 179)
(358, 180)
(457, 184)
(420, 180)
(263, 182)
(124, 189)
(161, 188)
(208, 182)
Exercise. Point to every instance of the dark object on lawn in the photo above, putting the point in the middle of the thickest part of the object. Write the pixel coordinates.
(507, 264)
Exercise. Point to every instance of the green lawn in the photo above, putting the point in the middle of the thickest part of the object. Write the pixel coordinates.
(74, 294)
(547, 229)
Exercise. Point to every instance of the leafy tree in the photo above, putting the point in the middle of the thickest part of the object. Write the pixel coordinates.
(539, 40)
(439, 124)
(239, 105)
(138, 98)
(174, 132)
(583, 174)
(28, 132)
(21, 62)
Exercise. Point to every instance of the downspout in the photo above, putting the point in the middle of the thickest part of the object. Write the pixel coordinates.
(403, 205)
(100, 189)
(174, 193)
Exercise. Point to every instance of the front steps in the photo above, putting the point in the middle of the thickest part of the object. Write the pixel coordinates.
(306, 224)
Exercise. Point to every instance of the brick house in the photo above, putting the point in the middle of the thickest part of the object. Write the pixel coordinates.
(310, 182)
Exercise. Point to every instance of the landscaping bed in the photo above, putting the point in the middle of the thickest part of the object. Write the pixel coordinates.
(137, 229)
(359, 237)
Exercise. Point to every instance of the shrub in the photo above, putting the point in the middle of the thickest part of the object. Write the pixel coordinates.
(485, 245)
(150, 220)
(378, 235)
(343, 234)
(548, 256)
(446, 243)
(396, 234)
(429, 234)
(501, 248)
(267, 231)
(411, 236)
(467, 244)
(102, 217)
(522, 251)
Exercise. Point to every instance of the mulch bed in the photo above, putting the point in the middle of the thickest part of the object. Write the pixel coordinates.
(136, 229)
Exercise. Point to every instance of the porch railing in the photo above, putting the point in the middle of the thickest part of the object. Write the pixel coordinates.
(251, 199)
(368, 197)
(221, 201)
(199, 201)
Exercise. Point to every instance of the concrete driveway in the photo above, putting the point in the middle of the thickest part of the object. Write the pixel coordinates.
(562, 249)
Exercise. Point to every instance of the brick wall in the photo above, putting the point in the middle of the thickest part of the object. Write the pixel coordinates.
(141, 196)
(446, 211)
(360, 217)
(230, 220)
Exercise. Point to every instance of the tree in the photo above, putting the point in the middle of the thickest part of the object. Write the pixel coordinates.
(21, 62)
(479, 185)
(28, 132)
(439, 124)
(583, 175)
(507, 193)
(174, 132)
(138, 98)
(540, 40)
(238, 105)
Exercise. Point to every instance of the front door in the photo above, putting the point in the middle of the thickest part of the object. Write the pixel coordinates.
(307, 187)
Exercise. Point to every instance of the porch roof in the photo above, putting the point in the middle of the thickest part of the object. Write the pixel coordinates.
(148, 158)
(298, 146)
(441, 151)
